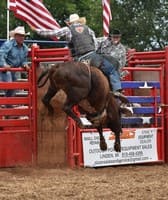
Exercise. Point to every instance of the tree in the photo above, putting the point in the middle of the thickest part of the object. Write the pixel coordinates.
(143, 23)
(3, 19)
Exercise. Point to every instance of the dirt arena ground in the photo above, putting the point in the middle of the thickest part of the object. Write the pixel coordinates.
(141, 182)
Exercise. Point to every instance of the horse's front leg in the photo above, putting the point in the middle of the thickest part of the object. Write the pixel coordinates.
(103, 144)
(67, 108)
(47, 97)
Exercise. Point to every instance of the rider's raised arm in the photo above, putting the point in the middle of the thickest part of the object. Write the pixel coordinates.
(50, 33)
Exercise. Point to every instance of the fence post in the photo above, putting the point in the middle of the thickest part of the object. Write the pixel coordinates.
(166, 102)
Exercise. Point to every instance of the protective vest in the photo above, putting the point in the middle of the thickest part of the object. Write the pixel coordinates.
(82, 41)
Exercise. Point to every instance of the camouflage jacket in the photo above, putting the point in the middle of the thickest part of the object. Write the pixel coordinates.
(117, 51)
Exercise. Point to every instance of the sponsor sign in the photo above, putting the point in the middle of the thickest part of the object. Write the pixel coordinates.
(137, 146)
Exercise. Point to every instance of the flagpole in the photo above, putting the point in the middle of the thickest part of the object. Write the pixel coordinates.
(7, 30)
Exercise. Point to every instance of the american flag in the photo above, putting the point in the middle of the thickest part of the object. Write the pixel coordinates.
(12, 5)
(107, 16)
(34, 13)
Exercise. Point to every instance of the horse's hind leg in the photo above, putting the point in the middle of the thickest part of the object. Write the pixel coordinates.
(117, 145)
(115, 127)
(103, 145)
(47, 97)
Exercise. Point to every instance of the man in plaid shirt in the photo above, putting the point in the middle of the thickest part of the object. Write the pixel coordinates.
(113, 47)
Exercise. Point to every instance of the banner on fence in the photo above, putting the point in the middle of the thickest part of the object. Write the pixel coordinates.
(138, 146)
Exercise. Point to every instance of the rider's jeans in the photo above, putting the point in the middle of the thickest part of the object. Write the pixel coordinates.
(112, 73)
(8, 77)
(106, 67)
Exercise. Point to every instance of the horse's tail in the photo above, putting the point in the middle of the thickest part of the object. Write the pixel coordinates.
(44, 73)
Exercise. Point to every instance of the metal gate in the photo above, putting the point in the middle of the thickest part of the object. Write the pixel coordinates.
(18, 121)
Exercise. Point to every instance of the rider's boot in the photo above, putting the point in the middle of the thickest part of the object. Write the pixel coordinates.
(118, 94)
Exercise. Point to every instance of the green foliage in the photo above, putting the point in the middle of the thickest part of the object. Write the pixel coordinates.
(144, 24)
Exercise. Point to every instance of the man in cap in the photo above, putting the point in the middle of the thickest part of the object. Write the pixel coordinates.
(112, 46)
(84, 45)
(13, 54)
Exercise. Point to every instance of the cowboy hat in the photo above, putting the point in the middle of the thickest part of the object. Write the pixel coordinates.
(75, 18)
(18, 30)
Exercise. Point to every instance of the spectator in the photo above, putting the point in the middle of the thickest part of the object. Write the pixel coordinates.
(13, 54)
(112, 46)
(84, 44)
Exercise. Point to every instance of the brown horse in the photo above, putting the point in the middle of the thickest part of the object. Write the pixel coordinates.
(88, 88)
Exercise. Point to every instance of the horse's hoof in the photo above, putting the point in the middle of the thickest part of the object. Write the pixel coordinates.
(103, 145)
(117, 147)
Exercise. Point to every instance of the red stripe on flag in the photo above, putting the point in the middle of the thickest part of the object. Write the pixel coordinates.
(35, 14)
(106, 16)
(29, 13)
(12, 5)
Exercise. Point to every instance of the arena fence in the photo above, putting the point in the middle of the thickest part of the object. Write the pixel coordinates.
(18, 144)
(18, 114)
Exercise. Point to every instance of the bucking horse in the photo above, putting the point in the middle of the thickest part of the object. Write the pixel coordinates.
(88, 88)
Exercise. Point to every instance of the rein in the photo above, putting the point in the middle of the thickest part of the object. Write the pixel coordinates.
(95, 117)
(89, 72)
